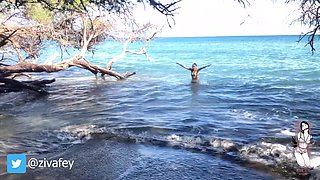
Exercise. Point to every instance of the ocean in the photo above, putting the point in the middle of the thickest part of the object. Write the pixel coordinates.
(238, 118)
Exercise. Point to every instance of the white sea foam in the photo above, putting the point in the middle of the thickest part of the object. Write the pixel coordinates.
(225, 144)
(315, 162)
(83, 131)
(270, 153)
(287, 132)
(266, 153)
(77, 79)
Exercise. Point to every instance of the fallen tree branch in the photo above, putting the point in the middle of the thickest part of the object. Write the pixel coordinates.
(127, 75)
(32, 67)
(96, 69)
(40, 83)
(132, 37)
(26, 42)
(6, 38)
(21, 74)
(11, 85)
(81, 63)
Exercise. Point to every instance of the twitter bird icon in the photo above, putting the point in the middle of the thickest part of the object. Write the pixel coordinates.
(16, 163)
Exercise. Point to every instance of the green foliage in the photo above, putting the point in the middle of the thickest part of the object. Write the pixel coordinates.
(37, 13)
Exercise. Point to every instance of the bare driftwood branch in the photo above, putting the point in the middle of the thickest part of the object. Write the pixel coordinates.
(244, 3)
(88, 38)
(11, 85)
(77, 61)
(73, 24)
(131, 37)
(5, 39)
(309, 16)
(21, 74)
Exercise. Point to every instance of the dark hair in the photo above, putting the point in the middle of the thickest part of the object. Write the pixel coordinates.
(194, 64)
(305, 122)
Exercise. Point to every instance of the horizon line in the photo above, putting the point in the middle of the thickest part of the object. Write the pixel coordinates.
(231, 36)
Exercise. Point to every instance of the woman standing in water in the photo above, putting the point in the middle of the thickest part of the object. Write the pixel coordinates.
(301, 151)
(194, 70)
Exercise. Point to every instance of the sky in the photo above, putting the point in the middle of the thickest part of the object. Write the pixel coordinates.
(228, 18)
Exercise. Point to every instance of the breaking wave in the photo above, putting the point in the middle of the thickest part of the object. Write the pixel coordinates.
(270, 153)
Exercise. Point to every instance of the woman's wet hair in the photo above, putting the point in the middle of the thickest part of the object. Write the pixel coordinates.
(194, 64)
(305, 122)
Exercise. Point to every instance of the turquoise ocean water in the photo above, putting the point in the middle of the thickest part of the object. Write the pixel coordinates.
(245, 107)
